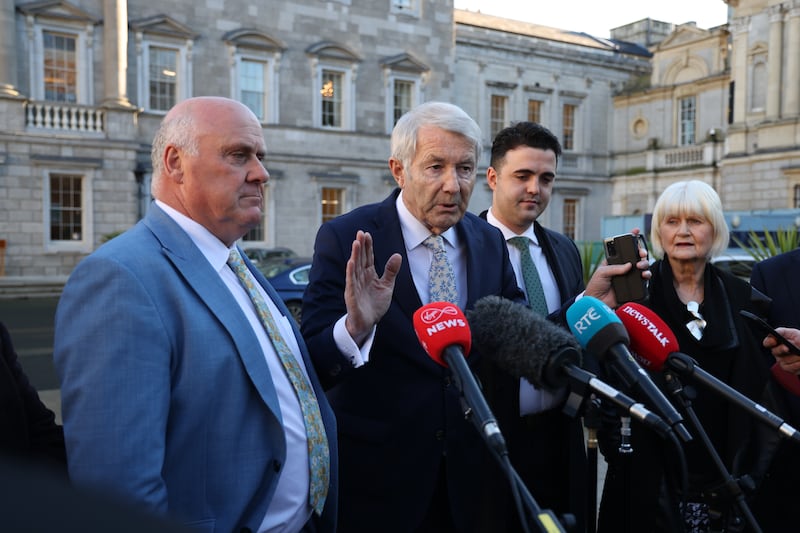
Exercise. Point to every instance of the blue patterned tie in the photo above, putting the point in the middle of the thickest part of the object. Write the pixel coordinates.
(530, 275)
(441, 280)
(318, 452)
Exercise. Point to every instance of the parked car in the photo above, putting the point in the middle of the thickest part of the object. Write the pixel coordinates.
(739, 264)
(260, 255)
(289, 277)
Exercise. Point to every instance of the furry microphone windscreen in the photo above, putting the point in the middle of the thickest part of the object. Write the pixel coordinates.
(517, 339)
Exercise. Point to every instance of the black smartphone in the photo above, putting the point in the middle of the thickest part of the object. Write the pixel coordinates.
(621, 249)
(763, 329)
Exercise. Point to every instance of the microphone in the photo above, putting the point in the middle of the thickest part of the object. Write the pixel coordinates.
(527, 345)
(655, 344)
(599, 330)
(442, 329)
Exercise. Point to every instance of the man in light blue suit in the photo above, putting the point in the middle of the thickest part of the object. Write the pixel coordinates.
(173, 395)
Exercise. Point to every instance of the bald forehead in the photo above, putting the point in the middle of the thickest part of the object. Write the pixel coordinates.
(205, 107)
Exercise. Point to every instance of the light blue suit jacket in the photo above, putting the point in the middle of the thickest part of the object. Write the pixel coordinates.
(166, 396)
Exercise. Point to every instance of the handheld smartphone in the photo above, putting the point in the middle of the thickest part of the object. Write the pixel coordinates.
(763, 329)
(621, 249)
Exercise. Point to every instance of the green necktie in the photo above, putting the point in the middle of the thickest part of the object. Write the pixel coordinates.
(530, 275)
(441, 280)
(318, 452)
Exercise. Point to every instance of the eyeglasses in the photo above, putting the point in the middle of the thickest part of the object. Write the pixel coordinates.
(698, 324)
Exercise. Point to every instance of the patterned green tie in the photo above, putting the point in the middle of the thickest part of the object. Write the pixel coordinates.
(530, 275)
(318, 452)
(441, 280)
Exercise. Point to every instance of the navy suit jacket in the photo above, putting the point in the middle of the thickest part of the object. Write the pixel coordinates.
(399, 415)
(777, 278)
(167, 398)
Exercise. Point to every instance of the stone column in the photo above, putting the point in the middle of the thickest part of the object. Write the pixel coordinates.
(8, 50)
(740, 30)
(775, 63)
(791, 96)
(115, 53)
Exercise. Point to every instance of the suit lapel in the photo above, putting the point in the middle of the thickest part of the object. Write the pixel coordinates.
(552, 255)
(387, 241)
(474, 244)
(194, 269)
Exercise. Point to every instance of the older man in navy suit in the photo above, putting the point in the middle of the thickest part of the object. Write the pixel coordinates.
(409, 460)
(186, 386)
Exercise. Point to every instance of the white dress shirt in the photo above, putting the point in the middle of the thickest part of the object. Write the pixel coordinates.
(531, 399)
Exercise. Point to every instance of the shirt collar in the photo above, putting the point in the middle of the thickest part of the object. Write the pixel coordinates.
(209, 245)
(508, 233)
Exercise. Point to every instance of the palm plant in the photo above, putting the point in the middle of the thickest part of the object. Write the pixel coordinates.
(772, 243)
(591, 256)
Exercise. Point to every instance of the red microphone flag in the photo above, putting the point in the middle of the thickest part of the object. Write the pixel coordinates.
(651, 339)
(439, 325)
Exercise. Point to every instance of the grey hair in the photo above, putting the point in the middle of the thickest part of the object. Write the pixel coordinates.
(443, 115)
(179, 132)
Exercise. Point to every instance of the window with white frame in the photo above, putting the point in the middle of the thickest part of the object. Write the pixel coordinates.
(164, 64)
(404, 76)
(570, 217)
(253, 86)
(568, 114)
(687, 110)
(331, 203)
(498, 118)
(60, 66)
(255, 59)
(67, 210)
(403, 98)
(162, 76)
(332, 98)
(334, 68)
(60, 53)
(535, 111)
(66, 207)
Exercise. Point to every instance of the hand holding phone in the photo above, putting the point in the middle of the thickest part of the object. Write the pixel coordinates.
(621, 249)
(763, 328)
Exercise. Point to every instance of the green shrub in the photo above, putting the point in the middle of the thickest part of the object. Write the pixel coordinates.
(591, 257)
(772, 243)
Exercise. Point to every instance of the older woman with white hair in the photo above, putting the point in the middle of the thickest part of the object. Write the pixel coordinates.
(700, 303)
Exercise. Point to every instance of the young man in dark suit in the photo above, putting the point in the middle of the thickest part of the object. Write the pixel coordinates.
(547, 446)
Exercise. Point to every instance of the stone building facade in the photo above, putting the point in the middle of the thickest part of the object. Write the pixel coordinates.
(721, 105)
(84, 84)
(507, 71)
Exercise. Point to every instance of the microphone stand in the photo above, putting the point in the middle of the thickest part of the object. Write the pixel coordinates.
(729, 483)
(544, 520)
(591, 420)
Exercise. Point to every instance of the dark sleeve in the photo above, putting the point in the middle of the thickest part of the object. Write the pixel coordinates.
(29, 427)
(323, 305)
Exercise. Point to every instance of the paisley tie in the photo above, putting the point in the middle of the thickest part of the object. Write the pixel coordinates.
(318, 452)
(441, 280)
